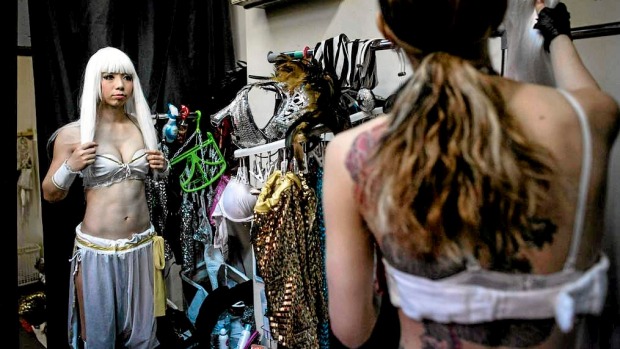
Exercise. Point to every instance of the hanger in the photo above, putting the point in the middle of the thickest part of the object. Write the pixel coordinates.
(284, 162)
(389, 102)
(242, 172)
(204, 162)
(318, 153)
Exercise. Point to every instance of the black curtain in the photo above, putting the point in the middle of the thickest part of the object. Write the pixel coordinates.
(182, 50)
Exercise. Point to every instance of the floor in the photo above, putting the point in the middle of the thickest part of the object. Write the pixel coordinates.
(28, 340)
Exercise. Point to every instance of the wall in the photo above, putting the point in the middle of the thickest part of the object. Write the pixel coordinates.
(29, 227)
(28, 189)
(305, 23)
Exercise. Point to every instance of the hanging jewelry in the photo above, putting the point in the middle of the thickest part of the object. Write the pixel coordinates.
(368, 70)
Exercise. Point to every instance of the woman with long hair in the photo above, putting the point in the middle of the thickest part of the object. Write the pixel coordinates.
(478, 199)
(116, 293)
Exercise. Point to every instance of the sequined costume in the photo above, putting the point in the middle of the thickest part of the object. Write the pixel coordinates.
(305, 97)
(288, 258)
(321, 284)
(157, 199)
(203, 166)
(246, 133)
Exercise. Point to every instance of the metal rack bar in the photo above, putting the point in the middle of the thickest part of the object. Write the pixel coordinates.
(596, 30)
(191, 115)
(584, 32)
(271, 56)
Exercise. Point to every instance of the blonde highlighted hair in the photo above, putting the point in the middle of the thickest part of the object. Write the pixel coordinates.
(454, 169)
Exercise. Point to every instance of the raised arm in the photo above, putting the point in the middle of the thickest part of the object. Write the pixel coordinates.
(569, 71)
(572, 75)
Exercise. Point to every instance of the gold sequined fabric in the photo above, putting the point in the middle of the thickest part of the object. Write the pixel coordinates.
(288, 252)
(32, 308)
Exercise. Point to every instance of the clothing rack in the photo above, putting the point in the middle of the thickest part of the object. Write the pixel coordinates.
(271, 56)
(279, 144)
(596, 30)
(584, 32)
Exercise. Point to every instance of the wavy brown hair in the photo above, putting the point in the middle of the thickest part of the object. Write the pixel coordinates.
(454, 170)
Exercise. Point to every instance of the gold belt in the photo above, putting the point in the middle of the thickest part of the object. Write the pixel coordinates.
(128, 246)
(159, 291)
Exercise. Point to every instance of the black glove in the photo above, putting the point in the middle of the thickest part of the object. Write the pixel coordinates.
(553, 22)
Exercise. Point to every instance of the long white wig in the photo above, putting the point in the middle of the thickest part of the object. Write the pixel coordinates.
(526, 60)
(113, 60)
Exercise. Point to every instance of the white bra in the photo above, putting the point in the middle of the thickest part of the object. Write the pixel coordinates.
(477, 295)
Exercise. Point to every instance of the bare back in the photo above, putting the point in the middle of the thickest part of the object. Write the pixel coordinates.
(548, 119)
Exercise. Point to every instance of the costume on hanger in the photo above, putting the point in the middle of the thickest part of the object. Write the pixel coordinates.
(157, 190)
(320, 285)
(285, 245)
(233, 215)
(306, 96)
(25, 181)
(204, 165)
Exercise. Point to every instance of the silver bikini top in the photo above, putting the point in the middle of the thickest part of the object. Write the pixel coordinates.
(108, 169)
(245, 131)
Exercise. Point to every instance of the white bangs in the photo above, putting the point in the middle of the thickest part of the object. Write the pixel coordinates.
(111, 60)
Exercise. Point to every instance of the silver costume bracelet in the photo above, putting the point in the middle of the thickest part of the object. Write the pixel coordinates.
(64, 176)
(158, 174)
(166, 172)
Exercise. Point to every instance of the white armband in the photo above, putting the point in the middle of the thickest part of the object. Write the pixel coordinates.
(64, 177)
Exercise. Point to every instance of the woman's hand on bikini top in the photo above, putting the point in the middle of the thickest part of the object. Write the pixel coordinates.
(156, 159)
(82, 156)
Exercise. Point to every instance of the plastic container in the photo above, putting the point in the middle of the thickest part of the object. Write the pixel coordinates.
(245, 336)
(222, 339)
(222, 326)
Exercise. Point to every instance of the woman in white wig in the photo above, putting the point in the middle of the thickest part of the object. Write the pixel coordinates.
(116, 291)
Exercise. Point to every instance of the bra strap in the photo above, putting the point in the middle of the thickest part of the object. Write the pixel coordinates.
(584, 180)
